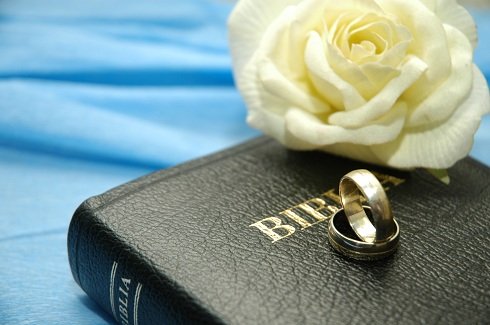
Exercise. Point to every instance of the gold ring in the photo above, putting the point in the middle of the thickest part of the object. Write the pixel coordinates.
(360, 184)
(344, 240)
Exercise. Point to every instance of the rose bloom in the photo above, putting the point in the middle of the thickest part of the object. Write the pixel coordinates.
(390, 82)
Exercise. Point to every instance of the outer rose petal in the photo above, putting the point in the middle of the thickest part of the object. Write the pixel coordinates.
(439, 105)
(451, 13)
(439, 146)
(279, 85)
(247, 24)
(310, 129)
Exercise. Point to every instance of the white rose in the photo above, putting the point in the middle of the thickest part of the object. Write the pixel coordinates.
(390, 82)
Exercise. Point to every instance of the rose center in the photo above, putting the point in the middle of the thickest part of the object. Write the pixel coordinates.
(370, 42)
(362, 37)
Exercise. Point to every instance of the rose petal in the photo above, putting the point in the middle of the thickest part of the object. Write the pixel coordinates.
(312, 130)
(449, 96)
(348, 71)
(376, 34)
(429, 43)
(362, 52)
(402, 38)
(362, 5)
(276, 38)
(246, 26)
(277, 84)
(367, 79)
(347, 25)
(270, 123)
(383, 101)
(334, 89)
(440, 146)
(379, 75)
(285, 39)
(451, 13)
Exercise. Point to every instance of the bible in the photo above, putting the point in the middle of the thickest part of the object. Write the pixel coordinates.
(240, 237)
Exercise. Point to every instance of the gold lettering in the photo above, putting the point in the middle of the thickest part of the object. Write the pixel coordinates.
(383, 179)
(273, 232)
(316, 208)
(333, 196)
(296, 218)
(320, 205)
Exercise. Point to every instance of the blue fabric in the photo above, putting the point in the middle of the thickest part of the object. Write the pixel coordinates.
(94, 94)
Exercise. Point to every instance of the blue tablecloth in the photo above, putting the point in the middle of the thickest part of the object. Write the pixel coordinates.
(94, 94)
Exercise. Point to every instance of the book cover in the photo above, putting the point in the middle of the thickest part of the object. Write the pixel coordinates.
(240, 237)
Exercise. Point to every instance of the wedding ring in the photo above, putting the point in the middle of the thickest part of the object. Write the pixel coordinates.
(343, 239)
(360, 184)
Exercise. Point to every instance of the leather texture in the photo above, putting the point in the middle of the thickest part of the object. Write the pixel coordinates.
(184, 234)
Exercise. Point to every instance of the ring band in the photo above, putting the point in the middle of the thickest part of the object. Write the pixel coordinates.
(362, 183)
(357, 249)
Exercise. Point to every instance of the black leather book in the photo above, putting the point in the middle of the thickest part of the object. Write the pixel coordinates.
(229, 238)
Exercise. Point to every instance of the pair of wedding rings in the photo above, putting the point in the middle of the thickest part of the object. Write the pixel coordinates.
(364, 228)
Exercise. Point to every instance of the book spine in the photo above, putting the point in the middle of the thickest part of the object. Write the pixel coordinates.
(123, 283)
